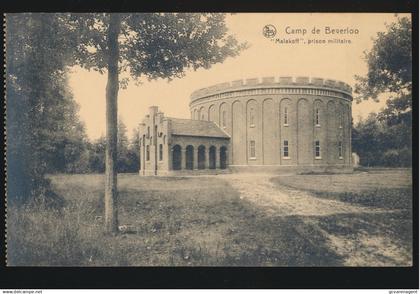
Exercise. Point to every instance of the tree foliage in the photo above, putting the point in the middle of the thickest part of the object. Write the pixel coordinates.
(134, 151)
(156, 45)
(379, 144)
(40, 114)
(386, 138)
(390, 72)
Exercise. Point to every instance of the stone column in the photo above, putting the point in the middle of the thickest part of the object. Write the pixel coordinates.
(207, 158)
(143, 162)
(195, 165)
(217, 157)
(227, 158)
(183, 158)
(170, 167)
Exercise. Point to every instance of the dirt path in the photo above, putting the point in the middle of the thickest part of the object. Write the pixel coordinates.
(287, 201)
(358, 248)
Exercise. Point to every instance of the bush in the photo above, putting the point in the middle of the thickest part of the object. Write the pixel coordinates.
(395, 158)
(381, 144)
(406, 157)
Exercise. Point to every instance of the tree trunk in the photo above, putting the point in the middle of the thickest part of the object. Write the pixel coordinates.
(111, 191)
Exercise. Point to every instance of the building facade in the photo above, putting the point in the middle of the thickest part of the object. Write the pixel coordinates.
(173, 145)
(281, 123)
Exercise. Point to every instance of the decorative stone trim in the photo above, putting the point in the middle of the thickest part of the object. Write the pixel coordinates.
(271, 85)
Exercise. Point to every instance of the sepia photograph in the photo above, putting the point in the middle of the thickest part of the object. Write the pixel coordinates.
(209, 140)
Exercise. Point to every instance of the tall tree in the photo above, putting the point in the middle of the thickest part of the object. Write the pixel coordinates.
(152, 45)
(67, 135)
(38, 49)
(390, 72)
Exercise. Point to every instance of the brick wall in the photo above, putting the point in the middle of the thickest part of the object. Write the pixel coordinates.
(331, 98)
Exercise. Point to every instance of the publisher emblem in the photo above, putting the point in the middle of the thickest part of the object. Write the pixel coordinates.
(269, 31)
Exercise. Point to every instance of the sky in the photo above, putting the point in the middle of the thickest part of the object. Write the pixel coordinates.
(265, 57)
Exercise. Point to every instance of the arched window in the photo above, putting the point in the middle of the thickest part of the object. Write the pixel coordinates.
(286, 149)
(252, 149)
(317, 150)
(176, 157)
(147, 153)
(223, 157)
(201, 114)
(160, 152)
(211, 114)
(224, 118)
(189, 154)
(212, 157)
(251, 117)
(286, 117)
(201, 157)
(340, 150)
(317, 121)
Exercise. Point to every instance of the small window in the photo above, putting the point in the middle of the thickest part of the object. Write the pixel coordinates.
(147, 153)
(224, 118)
(252, 149)
(286, 149)
(317, 121)
(341, 120)
(317, 150)
(252, 117)
(340, 149)
(286, 117)
(160, 152)
(202, 117)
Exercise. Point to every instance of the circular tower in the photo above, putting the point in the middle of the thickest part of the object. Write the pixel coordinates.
(285, 122)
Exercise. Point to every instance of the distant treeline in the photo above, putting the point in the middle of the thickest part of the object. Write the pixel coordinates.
(80, 155)
(381, 143)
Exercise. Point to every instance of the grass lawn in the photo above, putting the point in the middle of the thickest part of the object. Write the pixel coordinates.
(177, 221)
(383, 238)
(384, 188)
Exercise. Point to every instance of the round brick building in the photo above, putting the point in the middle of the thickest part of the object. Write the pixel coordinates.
(281, 122)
